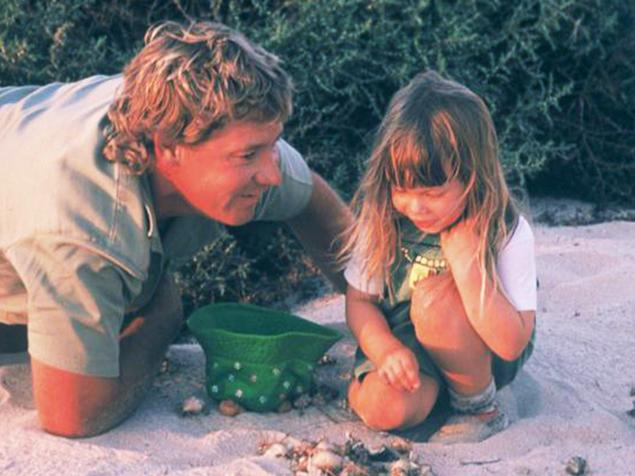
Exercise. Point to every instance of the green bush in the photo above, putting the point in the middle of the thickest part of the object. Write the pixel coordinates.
(558, 76)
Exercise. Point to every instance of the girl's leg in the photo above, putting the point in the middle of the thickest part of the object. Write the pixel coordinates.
(384, 407)
(443, 328)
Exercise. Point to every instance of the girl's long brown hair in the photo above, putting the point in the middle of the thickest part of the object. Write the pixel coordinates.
(434, 130)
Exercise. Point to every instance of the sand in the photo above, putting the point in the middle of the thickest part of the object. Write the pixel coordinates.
(570, 400)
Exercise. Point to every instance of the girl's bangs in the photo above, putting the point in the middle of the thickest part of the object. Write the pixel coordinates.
(411, 164)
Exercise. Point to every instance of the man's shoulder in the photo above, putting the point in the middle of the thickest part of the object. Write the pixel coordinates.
(60, 182)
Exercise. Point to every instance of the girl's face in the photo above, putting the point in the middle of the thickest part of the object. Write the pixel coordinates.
(431, 209)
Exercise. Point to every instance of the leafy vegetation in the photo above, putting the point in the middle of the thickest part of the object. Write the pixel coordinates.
(558, 75)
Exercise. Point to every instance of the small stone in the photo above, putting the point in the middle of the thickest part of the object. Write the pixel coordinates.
(326, 461)
(276, 450)
(326, 359)
(192, 406)
(302, 402)
(165, 367)
(632, 392)
(355, 450)
(229, 408)
(326, 393)
(284, 407)
(576, 465)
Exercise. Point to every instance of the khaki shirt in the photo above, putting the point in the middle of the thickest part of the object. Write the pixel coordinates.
(79, 245)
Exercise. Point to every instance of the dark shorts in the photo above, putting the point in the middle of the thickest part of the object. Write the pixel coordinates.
(504, 371)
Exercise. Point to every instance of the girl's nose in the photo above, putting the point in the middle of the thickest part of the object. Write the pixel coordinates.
(268, 173)
(417, 207)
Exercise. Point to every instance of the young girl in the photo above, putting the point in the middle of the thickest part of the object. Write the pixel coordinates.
(442, 280)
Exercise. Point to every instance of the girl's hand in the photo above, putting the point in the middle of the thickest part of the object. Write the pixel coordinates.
(399, 368)
(460, 242)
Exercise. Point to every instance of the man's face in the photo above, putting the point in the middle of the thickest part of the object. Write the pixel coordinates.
(224, 176)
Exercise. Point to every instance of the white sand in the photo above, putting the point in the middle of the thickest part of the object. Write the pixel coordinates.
(570, 400)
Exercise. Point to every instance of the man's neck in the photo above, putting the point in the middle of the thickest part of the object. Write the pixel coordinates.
(168, 202)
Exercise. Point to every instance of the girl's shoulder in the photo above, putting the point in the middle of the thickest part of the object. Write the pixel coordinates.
(521, 234)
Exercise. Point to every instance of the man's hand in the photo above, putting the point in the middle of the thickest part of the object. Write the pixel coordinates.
(319, 227)
(399, 368)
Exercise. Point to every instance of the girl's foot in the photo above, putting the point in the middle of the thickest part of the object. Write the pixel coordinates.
(471, 427)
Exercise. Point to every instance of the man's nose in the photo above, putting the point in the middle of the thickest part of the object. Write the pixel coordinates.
(269, 172)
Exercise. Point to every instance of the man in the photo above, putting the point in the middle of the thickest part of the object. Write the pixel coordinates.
(108, 179)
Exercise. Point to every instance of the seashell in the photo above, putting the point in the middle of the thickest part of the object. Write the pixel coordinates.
(302, 464)
(326, 461)
(353, 469)
(284, 407)
(401, 445)
(192, 406)
(276, 450)
(403, 467)
(400, 468)
(576, 465)
(324, 445)
(383, 454)
(229, 408)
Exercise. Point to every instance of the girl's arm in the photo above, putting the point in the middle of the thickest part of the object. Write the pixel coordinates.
(504, 329)
(394, 361)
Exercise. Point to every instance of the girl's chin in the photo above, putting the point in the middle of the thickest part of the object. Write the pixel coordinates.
(430, 228)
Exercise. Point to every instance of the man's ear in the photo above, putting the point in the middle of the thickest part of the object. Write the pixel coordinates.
(164, 155)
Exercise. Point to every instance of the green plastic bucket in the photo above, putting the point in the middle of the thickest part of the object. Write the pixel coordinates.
(258, 357)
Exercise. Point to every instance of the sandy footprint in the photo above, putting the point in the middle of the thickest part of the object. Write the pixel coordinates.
(15, 382)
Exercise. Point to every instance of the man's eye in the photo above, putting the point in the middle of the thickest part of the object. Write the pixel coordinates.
(248, 156)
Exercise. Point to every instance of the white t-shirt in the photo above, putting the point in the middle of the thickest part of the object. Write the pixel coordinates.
(516, 268)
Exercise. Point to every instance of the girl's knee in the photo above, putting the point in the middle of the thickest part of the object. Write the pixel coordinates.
(434, 325)
(383, 408)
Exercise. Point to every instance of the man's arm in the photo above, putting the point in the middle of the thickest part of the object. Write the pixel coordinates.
(75, 405)
(319, 226)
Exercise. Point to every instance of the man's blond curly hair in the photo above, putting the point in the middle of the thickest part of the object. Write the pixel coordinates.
(187, 82)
